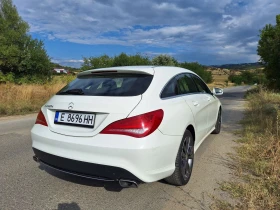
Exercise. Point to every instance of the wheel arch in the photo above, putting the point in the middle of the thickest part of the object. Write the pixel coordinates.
(192, 130)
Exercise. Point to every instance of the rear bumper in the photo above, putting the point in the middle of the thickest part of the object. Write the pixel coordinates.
(115, 157)
(83, 169)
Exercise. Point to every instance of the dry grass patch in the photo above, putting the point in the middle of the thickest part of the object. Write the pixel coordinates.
(257, 159)
(22, 99)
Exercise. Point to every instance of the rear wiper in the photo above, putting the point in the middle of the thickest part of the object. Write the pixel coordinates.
(72, 92)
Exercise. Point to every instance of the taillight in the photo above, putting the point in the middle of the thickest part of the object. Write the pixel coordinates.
(41, 119)
(138, 126)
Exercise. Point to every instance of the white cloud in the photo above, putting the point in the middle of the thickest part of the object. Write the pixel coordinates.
(228, 27)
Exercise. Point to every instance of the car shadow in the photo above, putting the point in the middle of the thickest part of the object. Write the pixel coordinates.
(109, 186)
(68, 206)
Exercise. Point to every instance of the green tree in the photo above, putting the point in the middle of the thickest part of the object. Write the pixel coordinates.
(19, 53)
(34, 60)
(164, 60)
(12, 37)
(198, 69)
(131, 60)
(269, 51)
(97, 62)
(120, 60)
(247, 77)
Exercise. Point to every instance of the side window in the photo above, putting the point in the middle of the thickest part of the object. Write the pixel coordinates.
(201, 86)
(182, 85)
(185, 84)
(170, 89)
(179, 85)
(191, 84)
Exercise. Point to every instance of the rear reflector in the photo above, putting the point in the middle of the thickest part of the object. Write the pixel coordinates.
(138, 126)
(41, 119)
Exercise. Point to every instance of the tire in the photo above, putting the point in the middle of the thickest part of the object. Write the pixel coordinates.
(184, 161)
(218, 123)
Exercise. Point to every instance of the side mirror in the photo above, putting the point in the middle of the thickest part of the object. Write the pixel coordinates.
(218, 91)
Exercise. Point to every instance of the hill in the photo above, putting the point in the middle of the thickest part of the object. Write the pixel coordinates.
(240, 66)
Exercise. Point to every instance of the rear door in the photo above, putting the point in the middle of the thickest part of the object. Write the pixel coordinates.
(210, 101)
(94, 101)
(198, 105)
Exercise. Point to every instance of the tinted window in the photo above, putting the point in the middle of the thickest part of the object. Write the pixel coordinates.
(170, 89)
(108, 85)
(201, 86)
(185, 84)
(181, 84)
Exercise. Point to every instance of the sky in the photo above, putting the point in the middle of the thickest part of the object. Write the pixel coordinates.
(210, 32)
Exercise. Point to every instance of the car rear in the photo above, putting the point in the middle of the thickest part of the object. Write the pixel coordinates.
(87, 128)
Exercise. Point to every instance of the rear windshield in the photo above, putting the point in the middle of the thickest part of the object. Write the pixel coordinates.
(108, 85)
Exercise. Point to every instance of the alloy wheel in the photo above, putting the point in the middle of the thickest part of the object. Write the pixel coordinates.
(187, 155)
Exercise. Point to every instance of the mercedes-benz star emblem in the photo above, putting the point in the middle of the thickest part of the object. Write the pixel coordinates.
(71, 106)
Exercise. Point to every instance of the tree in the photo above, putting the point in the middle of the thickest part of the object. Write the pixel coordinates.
(269, 51)
(131, 60)
(198, 69)
(97, 62)
(164, 60)
(20, 54)
(120, 60)
(34, 59)
(12, 36)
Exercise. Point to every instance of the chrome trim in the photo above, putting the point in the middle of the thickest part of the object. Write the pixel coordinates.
(133, 184)
(177, 96)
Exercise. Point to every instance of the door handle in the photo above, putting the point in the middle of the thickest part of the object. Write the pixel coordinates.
(195, 103)
(208, 98)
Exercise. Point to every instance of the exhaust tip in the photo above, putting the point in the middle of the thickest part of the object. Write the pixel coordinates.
(128, 183)
(35, 159)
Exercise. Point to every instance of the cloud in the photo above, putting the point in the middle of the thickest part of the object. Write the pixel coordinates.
(208, 30)
(68, 62)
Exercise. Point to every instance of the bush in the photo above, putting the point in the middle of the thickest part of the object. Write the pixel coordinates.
(248, 77)
(164, 60)
(4, 78)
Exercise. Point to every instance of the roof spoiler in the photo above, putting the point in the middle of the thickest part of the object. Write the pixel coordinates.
(147, 71)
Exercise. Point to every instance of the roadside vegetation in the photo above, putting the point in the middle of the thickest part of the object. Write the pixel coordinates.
(256, 162)
(28, 98)
(249, 77)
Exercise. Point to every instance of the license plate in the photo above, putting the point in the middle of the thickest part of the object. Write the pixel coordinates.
(75, 119)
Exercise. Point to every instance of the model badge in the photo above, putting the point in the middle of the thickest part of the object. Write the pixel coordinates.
(49, 106)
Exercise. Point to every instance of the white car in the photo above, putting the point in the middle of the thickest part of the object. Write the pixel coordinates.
(128, 124)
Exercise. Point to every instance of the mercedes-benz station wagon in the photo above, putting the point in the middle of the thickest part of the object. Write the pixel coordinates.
(127, 124)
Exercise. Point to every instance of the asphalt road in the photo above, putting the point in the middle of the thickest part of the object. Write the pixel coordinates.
(25, 185)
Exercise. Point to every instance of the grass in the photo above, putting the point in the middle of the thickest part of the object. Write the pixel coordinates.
(257, 165)
(28, 98)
